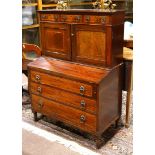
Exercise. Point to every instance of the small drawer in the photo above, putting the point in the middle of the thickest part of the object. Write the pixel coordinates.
(71, 18)
(62, 96)
(67, 114)
(94, 19)
(49, 17)
(83, 89)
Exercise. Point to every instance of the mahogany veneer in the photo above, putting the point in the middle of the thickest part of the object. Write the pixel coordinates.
(87, 36)
(85, 97)
(79, 79)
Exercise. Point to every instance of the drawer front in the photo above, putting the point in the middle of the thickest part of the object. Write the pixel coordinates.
(49, 17)
(64, 97)
(64, 113)
(65, 84)
(71, 18)
(94, 19)
(74, 18)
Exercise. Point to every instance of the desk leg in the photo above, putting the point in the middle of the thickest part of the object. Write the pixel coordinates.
(128, 101)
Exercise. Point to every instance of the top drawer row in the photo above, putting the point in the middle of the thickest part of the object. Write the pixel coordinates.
(73, 18)
(63, 83)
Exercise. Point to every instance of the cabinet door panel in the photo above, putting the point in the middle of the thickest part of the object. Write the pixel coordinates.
(55, 39)
(89, 44)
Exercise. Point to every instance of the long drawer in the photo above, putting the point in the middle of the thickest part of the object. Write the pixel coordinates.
(72, 116)
(58, 95)
(66, 84)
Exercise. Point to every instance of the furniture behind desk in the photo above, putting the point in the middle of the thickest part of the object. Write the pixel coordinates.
(128, 43)
(128, 61)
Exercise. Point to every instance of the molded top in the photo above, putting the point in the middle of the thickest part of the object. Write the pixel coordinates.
(83, 11)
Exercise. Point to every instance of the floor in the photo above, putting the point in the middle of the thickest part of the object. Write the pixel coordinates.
(33, 144)
(47, 137)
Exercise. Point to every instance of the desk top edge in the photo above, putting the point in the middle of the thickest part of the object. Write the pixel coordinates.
(82, 11)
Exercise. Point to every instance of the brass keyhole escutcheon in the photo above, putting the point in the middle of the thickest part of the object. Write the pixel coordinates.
(40, 104)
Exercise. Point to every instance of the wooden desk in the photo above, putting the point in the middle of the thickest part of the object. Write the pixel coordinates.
(128, 60)
(94, 37)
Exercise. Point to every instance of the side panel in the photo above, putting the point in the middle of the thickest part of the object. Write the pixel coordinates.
(110, 98)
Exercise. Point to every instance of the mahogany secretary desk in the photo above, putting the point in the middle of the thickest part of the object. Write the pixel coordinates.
(79, 79)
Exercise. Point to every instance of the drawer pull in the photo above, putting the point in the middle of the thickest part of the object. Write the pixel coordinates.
(40, 104)
(82, 89)
(77, 18)
(87, 18)
(44, 16)
(82, 103)
(39, 89)
(82, 118)
(56, 17)
(37, 77)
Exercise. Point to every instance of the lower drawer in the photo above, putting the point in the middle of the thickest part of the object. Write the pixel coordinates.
(66, 114)
(64, 97)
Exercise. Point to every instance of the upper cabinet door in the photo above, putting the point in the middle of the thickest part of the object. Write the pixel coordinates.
(55, 40)
(89, 44)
